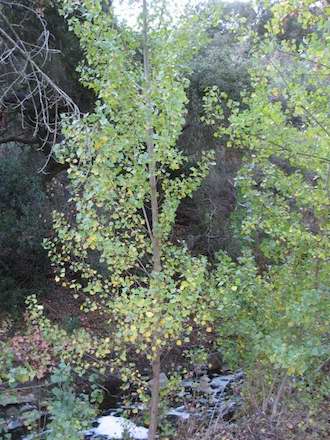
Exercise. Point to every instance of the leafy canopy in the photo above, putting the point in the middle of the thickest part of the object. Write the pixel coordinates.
(104, 252)
(275, 299)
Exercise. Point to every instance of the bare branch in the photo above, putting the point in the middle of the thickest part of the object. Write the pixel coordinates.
(25, 84)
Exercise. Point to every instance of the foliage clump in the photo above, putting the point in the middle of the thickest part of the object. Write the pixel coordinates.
(42, 362)
(274, 299)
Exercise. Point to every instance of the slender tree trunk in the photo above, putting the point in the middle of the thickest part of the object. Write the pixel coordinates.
(154, 398)
(279, 396)
(156, 244)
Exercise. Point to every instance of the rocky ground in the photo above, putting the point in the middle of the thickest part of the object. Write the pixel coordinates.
(204, 399)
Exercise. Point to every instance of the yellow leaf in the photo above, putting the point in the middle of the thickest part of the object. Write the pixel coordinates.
(103, 140)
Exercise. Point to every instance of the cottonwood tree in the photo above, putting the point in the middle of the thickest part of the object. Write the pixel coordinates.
(127, 185)
(277, 295)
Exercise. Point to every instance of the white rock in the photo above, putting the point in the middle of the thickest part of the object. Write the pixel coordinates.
(204, 385)
(114, 428)
(179, 412)
(221, 382)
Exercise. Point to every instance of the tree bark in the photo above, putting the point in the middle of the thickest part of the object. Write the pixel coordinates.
(154, 407)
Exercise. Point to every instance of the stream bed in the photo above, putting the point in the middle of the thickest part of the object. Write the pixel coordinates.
(207, 398)
(204, 398)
